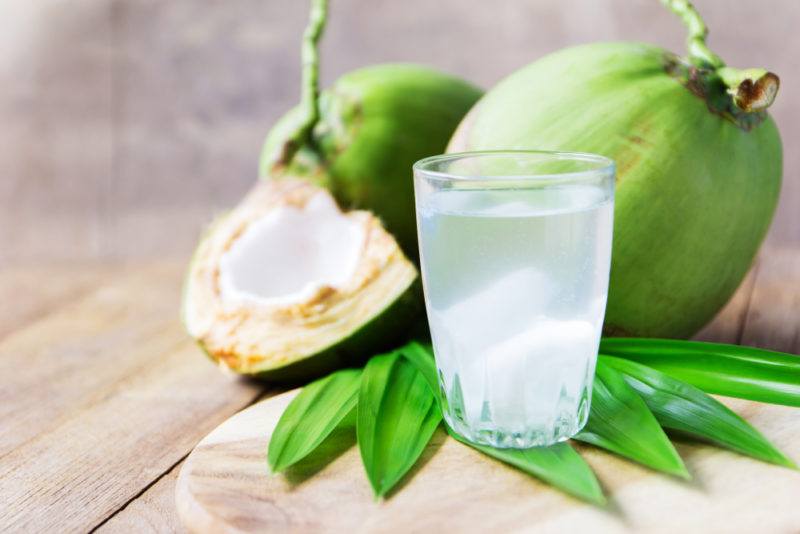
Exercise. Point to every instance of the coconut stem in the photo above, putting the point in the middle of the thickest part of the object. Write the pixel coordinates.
(698, 31)
(309, 96)
(752, 90)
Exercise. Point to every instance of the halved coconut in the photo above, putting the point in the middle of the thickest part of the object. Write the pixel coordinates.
(287, 286)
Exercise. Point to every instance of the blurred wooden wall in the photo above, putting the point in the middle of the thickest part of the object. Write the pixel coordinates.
(126, 124)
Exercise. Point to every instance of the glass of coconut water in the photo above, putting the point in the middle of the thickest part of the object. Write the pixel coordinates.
(515, 249)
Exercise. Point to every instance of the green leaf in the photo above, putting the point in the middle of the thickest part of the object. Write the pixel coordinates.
(730, 370)
(311, 416)
(680, 406)
(397, 415)
(621, 422)
(422, 358)
(558, 465)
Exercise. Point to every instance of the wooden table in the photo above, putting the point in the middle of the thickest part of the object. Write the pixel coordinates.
(103, 395)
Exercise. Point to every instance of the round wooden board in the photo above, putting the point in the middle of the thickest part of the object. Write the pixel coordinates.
(225, 486)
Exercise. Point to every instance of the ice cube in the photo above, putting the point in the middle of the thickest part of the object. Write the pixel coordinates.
(528, 373)
(497, 310)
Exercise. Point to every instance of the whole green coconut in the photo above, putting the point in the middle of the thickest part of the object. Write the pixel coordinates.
(698, 165)
(360, 138)
(373, 124)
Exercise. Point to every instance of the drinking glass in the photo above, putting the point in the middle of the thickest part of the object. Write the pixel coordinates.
(515, 250)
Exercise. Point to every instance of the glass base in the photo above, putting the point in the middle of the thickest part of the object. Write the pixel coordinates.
(564, 428)
(554, 430)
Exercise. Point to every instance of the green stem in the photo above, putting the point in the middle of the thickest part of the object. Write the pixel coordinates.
(752, 90)
(699, 52)
(309, 96)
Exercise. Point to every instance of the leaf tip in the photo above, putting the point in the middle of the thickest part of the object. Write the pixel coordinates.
(276, 460)
(785, 461)
(271, 461)
(378, 491)
(593, 495)
(678, 468)
(274, 465)
(682, 473)
(597, 498)
(671, 464)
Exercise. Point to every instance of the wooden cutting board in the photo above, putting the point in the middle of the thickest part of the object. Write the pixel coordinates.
(225, 486)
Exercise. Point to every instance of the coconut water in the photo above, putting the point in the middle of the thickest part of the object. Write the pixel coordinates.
(515, 287)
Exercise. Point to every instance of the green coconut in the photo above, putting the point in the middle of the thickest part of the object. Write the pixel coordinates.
(293, 283)
(287, 286)
(360, 137)
(698, 160)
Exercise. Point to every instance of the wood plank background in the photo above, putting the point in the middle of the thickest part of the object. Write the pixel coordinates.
(125, 124)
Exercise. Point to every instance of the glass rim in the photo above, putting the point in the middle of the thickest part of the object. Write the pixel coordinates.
(604, 166)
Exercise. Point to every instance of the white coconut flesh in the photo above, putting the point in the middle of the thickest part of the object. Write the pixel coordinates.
(286, 275)
(291, 254)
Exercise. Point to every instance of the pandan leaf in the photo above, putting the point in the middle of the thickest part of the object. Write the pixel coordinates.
(311, 416)
(731, 370)
(397, 415)
(680, 406)
(558, 465)
(422, 358)
(621, 422)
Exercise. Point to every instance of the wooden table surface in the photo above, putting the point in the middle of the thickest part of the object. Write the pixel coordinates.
(103, 395)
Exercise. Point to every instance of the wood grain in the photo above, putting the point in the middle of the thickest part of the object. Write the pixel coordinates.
(88, 345)
(153, 511)
(56, 128)
(105, 395)
(31, 292)
(728, 325)
(106, 342)
(121, 119)
(224, 486)
(773, 317)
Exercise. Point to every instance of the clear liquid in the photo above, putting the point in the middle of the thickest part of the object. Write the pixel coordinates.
(515, 288)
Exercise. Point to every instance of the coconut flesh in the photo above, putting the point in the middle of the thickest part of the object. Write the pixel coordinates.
(287, 275)
(292, 254)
